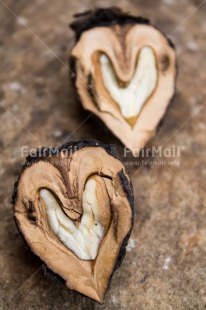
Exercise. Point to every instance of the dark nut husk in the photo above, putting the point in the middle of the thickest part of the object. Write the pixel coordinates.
(124, 70)
(74, 207)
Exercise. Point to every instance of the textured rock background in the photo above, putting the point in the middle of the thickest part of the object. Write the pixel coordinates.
(165, 266)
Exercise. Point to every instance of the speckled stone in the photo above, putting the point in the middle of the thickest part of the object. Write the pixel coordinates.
(165, 265)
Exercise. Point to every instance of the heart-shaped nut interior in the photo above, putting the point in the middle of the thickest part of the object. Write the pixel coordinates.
(132, 96)
(74, 207)
(124, 70)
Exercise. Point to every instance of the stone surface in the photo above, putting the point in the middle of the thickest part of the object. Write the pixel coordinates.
(165, 265)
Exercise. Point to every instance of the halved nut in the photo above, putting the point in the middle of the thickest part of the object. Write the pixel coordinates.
(125, 73)
(73, 205)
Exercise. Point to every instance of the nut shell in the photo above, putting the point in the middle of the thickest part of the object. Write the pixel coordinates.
(110, 72)
(65, 173)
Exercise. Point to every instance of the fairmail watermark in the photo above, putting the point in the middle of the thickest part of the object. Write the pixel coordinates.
(153, 155)
(145, 156)
(46, 152)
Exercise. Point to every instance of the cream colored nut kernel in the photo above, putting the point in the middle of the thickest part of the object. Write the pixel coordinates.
(82, 238)
(132, 98)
